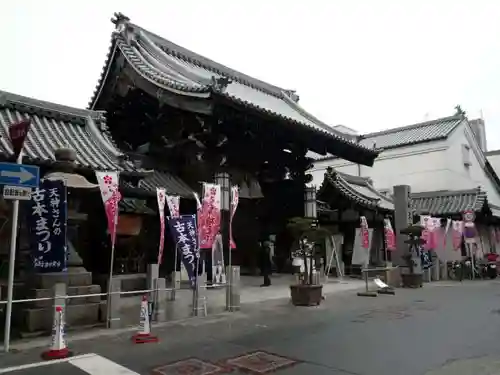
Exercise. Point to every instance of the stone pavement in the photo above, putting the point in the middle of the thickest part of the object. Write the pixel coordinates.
(441, 329)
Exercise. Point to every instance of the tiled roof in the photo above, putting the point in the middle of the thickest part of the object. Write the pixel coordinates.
(55, 126)
(448, 202)
(412, 134)
(135, 206)
(361, 191)
(174, 68)
(357, 189)
(172, 184)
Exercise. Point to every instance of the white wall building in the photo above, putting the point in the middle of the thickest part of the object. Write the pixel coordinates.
(443, 154)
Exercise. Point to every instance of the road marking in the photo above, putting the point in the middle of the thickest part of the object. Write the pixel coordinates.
(44, 363)
(92, 364)
(98, 365)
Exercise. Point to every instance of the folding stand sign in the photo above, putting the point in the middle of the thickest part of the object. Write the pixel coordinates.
(335, 255)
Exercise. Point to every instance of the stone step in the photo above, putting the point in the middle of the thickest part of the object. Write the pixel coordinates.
(71, 290)
(48, 280)
(40, 319)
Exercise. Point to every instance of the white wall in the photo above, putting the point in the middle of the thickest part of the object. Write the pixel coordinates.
(495, 161)
(474, 175)
(424, 167)
(437, 165)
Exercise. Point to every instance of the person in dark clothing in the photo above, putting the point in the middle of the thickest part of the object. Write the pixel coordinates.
(266, 263)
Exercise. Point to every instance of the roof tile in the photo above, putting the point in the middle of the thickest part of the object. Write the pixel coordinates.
(448, 202)
(173, 67)
(413, 134)
(356, 189)
(55, 126)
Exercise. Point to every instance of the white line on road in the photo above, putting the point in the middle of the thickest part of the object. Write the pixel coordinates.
(98, 365)
(92, 364)
(44, 363)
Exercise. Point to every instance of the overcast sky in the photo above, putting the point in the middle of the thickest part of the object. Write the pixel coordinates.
(366, 64)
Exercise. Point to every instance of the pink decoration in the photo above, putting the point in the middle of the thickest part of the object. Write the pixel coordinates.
(108, 184)
(160, 195)
(457, 230)
(365, 234)
(209, 215)
(235, 198)
(390, 238)
(173, 203)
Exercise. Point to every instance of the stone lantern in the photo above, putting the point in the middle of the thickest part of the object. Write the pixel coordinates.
(77, 280)
(64, 169)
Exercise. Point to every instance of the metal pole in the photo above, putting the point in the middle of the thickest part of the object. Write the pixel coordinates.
(12, 262)
(112, 261)
(174, 286)
(196, 288)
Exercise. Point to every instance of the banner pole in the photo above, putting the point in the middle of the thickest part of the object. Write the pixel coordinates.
(196, 290)
(176, 250)
(112, 261)
(110, 278)
(12, 262)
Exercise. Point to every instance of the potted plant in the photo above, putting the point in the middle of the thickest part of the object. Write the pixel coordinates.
(306, 233)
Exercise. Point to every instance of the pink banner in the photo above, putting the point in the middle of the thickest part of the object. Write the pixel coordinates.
(235, 198)
(209, 215)
(365, 234)
(390, 238)
(108, 184)
(426, 234)
(160, 196)
(446, 230)
(173, 203)
(457, 227)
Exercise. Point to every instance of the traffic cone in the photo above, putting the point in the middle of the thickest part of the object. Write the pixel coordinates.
(58, 348)
(144, 332)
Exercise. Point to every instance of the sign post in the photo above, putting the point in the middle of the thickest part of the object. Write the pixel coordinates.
(18, 133)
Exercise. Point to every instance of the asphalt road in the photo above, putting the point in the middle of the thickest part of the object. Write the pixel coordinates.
(441, 329)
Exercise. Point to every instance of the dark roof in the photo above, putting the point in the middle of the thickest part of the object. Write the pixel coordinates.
(361, 191)
(174, 68)
(449, 202)
(173, 185)
(135, 206)
(54, 126)
(357, 189)
(412, 134)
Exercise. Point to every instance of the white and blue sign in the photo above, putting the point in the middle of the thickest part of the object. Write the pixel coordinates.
(47, 222)
(19, 175)
(185, 234)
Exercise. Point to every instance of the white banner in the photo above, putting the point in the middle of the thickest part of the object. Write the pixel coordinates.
(108, 184)
(173, 203)
(160, 196)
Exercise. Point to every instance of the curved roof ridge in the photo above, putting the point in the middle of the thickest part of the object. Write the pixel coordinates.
(444, 193)
(295, 105)
(358, 180)
(412, 126)
(7, 98)
(211, 65)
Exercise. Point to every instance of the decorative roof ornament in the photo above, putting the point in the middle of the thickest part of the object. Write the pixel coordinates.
(219, 84)
(120, 21)
(292, 94)
(459, 111)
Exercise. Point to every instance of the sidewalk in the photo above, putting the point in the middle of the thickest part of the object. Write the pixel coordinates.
(253, 299)
(251, 291)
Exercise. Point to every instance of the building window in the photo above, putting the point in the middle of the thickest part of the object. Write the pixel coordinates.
(466, 156)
